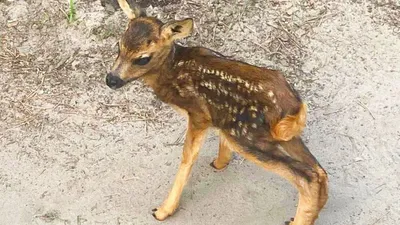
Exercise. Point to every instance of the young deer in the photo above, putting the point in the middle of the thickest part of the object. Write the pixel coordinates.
(258, 114)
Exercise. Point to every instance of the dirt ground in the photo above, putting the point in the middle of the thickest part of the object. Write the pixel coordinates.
(73, 151)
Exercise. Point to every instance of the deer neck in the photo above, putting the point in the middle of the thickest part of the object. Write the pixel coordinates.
(157, 79)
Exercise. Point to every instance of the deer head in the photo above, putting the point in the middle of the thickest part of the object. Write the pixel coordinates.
(144, 46)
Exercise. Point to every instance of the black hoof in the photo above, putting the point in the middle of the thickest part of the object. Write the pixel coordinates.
(216, 169)
(212, 165)
(288, 222)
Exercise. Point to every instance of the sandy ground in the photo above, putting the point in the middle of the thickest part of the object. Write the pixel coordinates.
(72, 151)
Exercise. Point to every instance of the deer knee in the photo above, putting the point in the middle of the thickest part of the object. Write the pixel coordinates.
(317, 187)
(319, 176)
(316, 183)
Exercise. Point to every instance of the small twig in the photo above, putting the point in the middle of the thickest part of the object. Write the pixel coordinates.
(179, 140)
(130, 178)
(379, 219)
(353, 143)
(366, 108)
(193, 3)
(269, 53)
(251, 29)
(112, 105)
(22, 123)
(33, 93)
(214, 32)
(291, 36)
(145, 127)
(41, 131)
(332, 112)
(64, 12)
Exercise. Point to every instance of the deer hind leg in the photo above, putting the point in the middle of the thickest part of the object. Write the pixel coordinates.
(313, 194)
(224, 156)
(296, 164)
(193, 141)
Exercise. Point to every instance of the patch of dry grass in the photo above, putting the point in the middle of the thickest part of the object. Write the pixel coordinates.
(52, 71)
(386, 12)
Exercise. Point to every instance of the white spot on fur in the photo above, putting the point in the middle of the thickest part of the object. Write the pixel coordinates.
(180, 63)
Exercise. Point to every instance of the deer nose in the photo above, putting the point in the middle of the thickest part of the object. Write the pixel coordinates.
(113, 81)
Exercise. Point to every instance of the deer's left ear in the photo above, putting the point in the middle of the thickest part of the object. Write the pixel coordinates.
(177, 29)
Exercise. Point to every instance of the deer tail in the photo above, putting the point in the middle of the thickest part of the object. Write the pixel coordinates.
(290, 126)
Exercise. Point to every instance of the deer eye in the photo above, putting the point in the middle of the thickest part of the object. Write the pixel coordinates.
(142, 61)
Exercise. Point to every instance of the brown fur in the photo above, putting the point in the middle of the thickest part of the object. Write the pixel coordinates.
(258, 114)
(290, 126)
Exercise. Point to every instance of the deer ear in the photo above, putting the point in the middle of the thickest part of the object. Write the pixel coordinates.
(132, 13)
(177, 29)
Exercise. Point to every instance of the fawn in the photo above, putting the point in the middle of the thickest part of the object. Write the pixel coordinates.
(258, 114)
